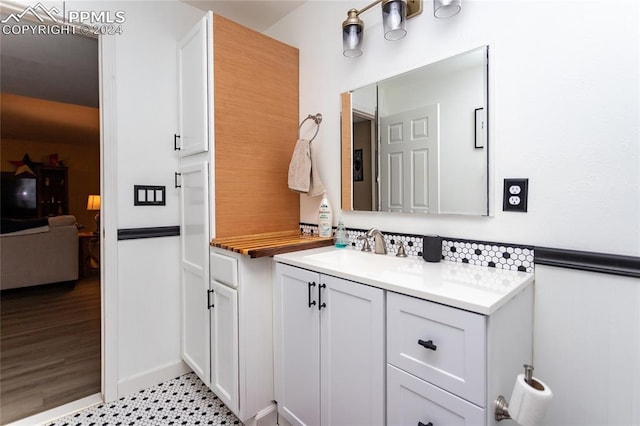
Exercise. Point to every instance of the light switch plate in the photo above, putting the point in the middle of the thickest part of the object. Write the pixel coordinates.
(515, 194)
(147, 195)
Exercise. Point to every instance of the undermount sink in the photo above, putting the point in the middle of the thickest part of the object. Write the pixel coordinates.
(359, 260)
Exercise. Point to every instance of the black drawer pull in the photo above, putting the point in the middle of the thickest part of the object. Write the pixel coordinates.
(175, 142)
(422, 424)
(428, 344)
(309, 285)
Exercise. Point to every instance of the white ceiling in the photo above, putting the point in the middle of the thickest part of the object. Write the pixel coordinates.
(255, 14)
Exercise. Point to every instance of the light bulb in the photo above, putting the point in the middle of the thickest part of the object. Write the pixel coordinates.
(394, 19)
(352, 37)
(351, 41)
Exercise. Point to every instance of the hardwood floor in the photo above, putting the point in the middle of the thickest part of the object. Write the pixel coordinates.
(49, 346)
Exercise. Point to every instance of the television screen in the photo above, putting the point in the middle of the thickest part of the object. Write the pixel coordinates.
(18, 196)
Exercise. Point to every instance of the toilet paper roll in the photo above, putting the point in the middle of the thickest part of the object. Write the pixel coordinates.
(529, 403)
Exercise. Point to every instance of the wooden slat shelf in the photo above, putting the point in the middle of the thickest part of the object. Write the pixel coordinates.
(271, 243)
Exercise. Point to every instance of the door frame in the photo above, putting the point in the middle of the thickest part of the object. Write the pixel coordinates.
(109, 213)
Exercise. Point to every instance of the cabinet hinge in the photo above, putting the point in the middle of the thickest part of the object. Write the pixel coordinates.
(209, 302)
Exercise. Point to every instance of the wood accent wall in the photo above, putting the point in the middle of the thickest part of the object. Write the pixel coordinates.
(256, 125)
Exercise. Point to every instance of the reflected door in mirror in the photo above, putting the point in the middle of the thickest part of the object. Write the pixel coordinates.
(409, 166)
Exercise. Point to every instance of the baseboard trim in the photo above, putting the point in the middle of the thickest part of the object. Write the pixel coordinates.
(58, 412)
(138, 382)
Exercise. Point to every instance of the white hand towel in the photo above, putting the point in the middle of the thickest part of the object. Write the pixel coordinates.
(300, 167)
(315, 187)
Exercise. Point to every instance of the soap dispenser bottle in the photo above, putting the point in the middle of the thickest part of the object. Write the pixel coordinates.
(341, 239)
(325, 218)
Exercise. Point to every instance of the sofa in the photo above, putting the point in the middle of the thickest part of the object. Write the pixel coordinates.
(34, 252)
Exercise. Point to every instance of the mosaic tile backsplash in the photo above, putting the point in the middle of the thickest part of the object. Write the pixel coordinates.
(494, 255)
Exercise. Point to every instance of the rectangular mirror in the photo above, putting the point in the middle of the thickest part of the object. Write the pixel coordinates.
(418, 142)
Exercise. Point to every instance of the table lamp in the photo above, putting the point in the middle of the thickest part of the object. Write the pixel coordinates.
(93, 204)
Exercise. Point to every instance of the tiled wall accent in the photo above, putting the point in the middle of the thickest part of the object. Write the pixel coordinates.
(495, 255)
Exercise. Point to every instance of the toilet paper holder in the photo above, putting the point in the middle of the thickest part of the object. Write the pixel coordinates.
(501, 404)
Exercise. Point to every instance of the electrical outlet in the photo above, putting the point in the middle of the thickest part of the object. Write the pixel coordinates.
(514, 198)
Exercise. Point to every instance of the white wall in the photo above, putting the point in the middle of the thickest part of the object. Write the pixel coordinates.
(147, 286)
(148, 270)
(564, 92)
(565, 113)
(587, 346)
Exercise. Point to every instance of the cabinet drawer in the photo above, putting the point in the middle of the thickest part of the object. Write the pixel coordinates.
(411, 400)
(224, 269)
(440, 344)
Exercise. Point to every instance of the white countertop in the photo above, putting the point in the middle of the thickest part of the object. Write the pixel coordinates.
(474, 288)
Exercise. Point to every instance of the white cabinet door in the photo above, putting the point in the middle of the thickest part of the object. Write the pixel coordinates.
(224, 344)
(329, 349)
(352, 353)
(297, 345)
(412, 402)
(194, 268)
(195, 73)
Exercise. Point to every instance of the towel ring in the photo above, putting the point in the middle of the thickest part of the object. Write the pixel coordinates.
(317, 119)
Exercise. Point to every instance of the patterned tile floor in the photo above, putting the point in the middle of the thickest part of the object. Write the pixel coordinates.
(184, 400)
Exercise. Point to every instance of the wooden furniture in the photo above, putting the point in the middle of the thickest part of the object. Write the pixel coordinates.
(87, 243)
(53, 191)
(445, 362)
(270, 243)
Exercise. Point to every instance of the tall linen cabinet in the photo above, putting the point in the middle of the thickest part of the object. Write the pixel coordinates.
(238, 115)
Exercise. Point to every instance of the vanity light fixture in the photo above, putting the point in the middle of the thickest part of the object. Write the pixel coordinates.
(394, 17)
(446, 8)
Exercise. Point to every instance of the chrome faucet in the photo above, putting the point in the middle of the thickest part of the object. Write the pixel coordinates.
(379, 246)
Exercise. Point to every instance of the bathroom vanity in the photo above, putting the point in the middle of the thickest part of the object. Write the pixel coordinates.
(361, 338)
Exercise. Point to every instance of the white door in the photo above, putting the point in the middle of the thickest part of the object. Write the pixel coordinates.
(224, 344)
(352, 353)
(195, 74)
(409, 161)
(194, 268)
(297, 345)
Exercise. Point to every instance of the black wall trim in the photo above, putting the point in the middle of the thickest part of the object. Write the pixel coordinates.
(158, 231)
(628, 266)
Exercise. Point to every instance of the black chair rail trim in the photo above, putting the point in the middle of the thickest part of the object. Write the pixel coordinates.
(615, 264)
(155, 232)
